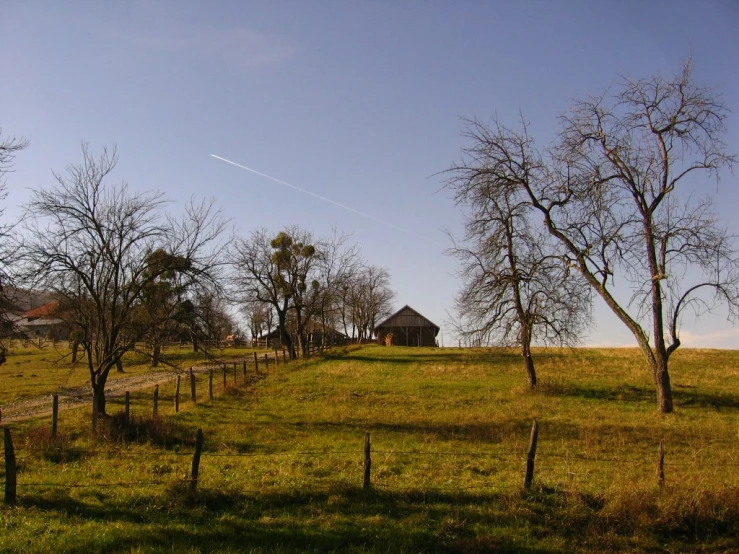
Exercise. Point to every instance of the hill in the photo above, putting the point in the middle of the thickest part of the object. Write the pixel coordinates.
(283, 460)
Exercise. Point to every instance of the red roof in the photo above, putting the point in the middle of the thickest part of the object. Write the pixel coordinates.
(45, 310)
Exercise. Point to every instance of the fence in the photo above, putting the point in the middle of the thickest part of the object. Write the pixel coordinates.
(258, 359)
(526, 460)
(197, 460)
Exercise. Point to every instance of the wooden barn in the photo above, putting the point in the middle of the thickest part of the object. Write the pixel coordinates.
(407, 327)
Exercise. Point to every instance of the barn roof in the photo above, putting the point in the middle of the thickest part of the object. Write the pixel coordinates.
(407, 317)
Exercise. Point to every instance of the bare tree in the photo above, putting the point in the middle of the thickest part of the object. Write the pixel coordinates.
(257, 278)
(338, 263)
(91, 242)
(616, 192)
(216, 323)
(516, 287)
(9, 147)
(259, 316)
(371, 299)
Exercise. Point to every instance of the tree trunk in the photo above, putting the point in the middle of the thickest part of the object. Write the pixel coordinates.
(119, 366)
(98, 397)
(528, 361)
(155, 354)
(195, 344)
(75, 346)
(287, 341)
(664, 389)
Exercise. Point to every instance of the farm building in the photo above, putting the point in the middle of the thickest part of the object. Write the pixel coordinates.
(407, 327)
(43, 322)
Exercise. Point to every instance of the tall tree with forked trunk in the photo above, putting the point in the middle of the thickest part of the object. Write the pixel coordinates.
(622, 192)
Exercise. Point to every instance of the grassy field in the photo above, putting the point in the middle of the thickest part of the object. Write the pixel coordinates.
(32, 371)
(282, 464)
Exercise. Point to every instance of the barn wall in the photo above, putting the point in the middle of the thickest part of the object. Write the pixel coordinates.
(408, 336)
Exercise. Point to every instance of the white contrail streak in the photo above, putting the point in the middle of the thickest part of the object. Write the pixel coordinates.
(314, 195)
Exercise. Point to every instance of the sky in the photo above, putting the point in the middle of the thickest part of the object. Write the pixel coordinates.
(359, 103)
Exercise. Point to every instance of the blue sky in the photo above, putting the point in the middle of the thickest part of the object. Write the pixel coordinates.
(358, 102)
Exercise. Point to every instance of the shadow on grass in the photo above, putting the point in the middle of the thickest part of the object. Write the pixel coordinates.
(620, 393)
(628, 393)
(165, 432)
(353, 520)
(346, 518)
(406, 356)
(705, 399)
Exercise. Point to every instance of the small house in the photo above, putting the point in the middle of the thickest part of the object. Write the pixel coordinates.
(43, 322)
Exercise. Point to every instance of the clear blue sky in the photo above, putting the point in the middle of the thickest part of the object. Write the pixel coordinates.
(358, 102)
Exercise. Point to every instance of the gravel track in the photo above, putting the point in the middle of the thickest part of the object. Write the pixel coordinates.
(75, 397)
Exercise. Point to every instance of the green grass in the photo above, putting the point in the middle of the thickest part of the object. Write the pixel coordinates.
(282, 464)
(32, 371)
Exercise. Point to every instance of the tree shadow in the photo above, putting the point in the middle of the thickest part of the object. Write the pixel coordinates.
(632, 394)
(619, 393)
(706, 399)
(408, 355)
(277, 521)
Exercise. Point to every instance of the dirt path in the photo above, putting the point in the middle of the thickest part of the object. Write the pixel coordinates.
(74, 398)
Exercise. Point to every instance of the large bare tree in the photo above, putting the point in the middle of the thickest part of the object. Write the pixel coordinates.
(9, 147)
(91, 243)
(516, 288)
(623, 191)
(370, 298)
(338, 265)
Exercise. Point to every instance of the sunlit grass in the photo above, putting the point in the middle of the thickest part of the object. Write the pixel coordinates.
(31, 371)
(282, 464)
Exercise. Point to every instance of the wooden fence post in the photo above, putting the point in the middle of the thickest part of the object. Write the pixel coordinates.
(256, 364)
(177, 395)
(54, 414)
(224, 376)
(10, 468)
(196, 459)
(210, 384)
(266, 363)
(284, 358)
(367, 461)
(156, 401)
(661, 464)
(192, 387)
(236, 373)
(529, 479)
(128, 408)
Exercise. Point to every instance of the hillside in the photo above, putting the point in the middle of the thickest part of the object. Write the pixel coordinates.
(283, 460)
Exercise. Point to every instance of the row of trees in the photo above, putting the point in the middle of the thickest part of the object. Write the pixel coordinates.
(126, 272)
(615, 206)
(306, 286)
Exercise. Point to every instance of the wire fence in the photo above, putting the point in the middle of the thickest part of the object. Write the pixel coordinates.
(221, 374)
(512, 460)
(224, 375)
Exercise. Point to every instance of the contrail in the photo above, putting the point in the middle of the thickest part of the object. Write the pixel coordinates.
(314, 195)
